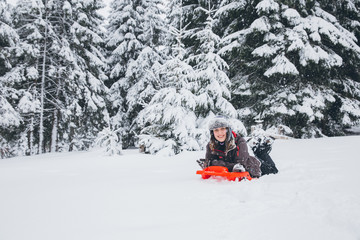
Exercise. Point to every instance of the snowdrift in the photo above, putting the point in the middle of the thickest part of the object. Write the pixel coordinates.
(87, 196)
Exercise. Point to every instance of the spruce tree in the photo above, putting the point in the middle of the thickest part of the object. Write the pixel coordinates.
(25, 70)
(292, 63)
(168, 122)
(63, 71)
(212, 85)
(86, 100)
(135, 29)
(10, 118)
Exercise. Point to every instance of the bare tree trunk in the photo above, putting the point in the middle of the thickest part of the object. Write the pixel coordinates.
(54, 132)
(42, 93)
(31, 136)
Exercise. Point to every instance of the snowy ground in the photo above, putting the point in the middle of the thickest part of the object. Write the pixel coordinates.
(86, 196)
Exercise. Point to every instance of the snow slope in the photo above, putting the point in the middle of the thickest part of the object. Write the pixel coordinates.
(87, 196)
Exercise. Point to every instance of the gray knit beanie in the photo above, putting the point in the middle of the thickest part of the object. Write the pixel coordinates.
(218, 122)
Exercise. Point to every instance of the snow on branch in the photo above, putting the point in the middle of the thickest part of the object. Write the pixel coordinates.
(281, 65)
(267, 6)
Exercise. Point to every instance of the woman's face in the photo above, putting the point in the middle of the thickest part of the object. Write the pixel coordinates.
(220, 134)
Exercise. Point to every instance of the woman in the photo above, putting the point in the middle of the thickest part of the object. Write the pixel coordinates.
(229, 150)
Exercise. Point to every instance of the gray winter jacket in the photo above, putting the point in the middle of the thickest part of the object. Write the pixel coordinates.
(235, 151)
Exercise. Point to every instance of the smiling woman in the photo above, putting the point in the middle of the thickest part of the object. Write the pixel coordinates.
(227, 149)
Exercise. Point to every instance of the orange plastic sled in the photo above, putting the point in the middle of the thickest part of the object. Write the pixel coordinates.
(223, 172)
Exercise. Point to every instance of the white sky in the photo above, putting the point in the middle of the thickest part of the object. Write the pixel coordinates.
(104, 11)
(12, 2)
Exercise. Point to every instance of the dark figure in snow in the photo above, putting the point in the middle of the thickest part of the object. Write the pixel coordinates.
(229, 150)
(261, 146)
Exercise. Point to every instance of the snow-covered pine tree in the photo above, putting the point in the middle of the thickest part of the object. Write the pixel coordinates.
(63, 71)
(212, 85)
(123, 48)
(168, 122)
(39, 57)
(8, 37)
(292, 63)
(346, 12)
(85, 99)
(122, 42)
(335, 119)
(24, 76)
(134, 39)
(10, 118)
(109, 140)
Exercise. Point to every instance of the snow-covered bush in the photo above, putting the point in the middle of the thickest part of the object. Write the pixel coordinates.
(109, 139)
(155, 145)
(280, 130)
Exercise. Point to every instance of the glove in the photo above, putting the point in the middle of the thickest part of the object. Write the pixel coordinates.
(203, 163)
(238, 168)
